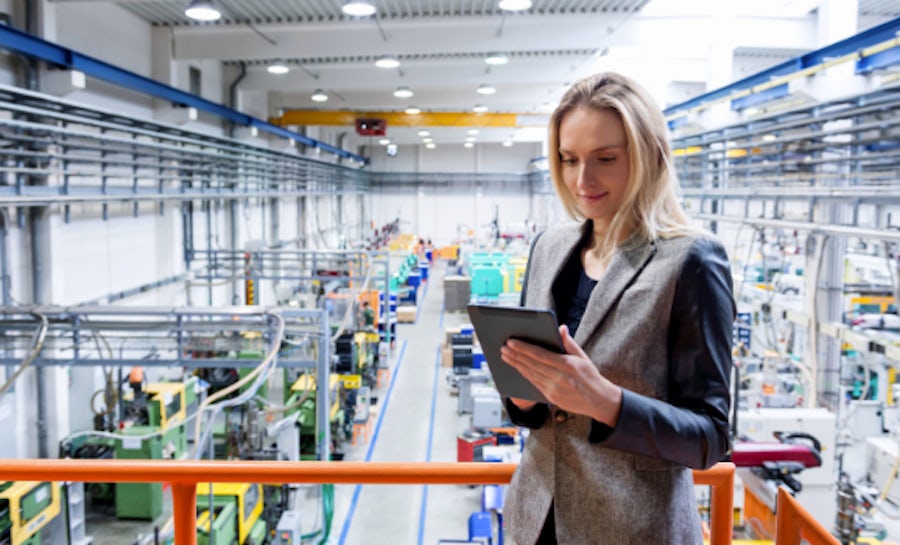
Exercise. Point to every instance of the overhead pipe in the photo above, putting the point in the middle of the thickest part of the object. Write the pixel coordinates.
(232, 96)
(39, 49)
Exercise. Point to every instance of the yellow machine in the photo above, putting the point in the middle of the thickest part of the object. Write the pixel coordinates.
(171, 399)
(247, 499)
(308, 383)
(25, 508)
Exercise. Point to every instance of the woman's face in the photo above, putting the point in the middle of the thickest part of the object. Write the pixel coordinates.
(594, 159)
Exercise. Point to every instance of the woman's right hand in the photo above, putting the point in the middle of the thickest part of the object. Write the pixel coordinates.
(523, 404)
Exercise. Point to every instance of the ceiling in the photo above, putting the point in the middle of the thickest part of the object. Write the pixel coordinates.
(442, 44)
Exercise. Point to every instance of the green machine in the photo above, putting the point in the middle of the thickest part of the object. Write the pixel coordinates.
(237, 509)
(306, 414)
(26, 507)
(165, 409)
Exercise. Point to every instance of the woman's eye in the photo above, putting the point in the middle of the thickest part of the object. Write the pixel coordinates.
(568, 161)
(606, 159)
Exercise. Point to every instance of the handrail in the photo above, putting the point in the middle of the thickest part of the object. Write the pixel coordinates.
(793, 522)
(184, 476)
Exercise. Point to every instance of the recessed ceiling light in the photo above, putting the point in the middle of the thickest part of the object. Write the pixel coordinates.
(412, 110)
(470, 139)
(278, 67)
(319, 96)
(496, 59)
(361, 8)
(428, 140)
(514, 5)
(507, 143)
(480, 108)
(384, 141)
(423, 132)
(430, 145)
(403, 92)
(203, 10)
(473, 132)
(387, 61)
(486, 90)
(468, 145)
(769, 138)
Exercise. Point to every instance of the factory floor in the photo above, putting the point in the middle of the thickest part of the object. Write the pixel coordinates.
(415, 420)
(419, 423)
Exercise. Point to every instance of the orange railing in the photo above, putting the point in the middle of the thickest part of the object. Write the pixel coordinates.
(793, 522)
(184, 476)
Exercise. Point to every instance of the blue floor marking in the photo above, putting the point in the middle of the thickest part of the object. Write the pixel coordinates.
(387, 399)
(437, 368)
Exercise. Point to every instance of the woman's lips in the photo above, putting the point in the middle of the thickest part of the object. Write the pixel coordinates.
(593, 198)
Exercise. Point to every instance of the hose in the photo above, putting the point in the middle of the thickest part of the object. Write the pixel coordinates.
(37, 343)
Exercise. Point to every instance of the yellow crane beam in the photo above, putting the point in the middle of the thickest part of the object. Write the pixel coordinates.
(401, 119)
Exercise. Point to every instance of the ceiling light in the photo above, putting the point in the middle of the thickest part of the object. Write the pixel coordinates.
(430, 145)
(387, 61)
(480, 109)
(514, 5)
(507, 143)
(359, 8)
(319, 96)
(202, 10)
(423, 132)
(470, 139)
(403, 92)
(486, 90)
(468, 145)
(473, 132)
(384, 141)
(769, 138)
(412, 110)
(496, 59)
(428, 140)
(278, 67)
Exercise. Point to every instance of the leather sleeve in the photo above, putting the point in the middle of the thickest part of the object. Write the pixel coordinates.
(532, 418)
(691, 429)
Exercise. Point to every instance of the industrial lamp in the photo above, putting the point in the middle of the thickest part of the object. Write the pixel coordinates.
(514, 5)
(496, 59)
(403, 92)
(387, 61)
(319, 96)
(358, 8)
(278, 67)
(486, 90)
(202, 10)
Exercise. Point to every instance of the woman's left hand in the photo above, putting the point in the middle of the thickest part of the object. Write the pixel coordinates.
(570, 381)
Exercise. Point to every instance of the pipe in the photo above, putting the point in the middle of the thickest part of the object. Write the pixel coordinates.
(232, 97)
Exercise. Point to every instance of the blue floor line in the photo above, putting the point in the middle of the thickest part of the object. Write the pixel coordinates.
(387, 399)
(419, 301)
(437, 368)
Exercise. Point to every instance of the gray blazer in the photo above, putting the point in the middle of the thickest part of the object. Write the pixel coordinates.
(658, 324)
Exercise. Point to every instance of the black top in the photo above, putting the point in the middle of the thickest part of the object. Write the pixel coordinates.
(571, 292)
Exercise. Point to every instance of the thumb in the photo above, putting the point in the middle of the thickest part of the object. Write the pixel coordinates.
(569, 344)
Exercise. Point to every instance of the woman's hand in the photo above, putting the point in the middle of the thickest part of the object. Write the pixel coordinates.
(570, 381)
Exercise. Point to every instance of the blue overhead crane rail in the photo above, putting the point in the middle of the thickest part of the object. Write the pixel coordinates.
(37, 48)
(873, 36)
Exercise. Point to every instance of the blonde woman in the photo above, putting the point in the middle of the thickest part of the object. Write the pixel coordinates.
(645, 306)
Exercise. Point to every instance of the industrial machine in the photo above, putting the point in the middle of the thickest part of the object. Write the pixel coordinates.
(340, 414)
(236, 509)
(26, 508)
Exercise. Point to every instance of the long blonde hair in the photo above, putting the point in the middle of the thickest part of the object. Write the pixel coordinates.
(650, 207)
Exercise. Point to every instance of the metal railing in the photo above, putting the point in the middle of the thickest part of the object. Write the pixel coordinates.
(185, 475)
(794, 523)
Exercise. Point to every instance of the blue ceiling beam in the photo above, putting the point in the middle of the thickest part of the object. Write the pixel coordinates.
(878, 61)
(37, 48)
(875, 35)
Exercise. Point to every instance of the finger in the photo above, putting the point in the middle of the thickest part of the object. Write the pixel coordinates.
(569, 344)
(533, 351)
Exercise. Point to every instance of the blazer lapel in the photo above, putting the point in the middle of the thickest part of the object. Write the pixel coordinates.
(626, 264)
(558, 254)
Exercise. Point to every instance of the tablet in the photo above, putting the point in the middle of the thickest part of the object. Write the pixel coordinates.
(495, 325)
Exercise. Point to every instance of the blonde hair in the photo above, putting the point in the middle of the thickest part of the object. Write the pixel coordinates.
(650, 207)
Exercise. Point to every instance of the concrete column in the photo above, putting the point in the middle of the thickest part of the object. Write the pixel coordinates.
(838, 19)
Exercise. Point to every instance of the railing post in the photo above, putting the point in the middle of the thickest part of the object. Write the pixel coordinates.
(792, 521)
(720, 478)
(184, 507)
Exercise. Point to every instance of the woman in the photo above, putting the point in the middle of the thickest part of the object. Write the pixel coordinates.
(645, 303)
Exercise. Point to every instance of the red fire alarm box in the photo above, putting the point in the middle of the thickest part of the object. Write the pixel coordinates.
(371, 126)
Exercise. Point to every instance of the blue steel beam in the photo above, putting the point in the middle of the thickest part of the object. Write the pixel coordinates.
(875, 35)
(772, 93)
(40, 49)
(882, 59)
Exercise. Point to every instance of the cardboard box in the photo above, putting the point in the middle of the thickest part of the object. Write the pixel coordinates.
(406, 314)
(447, 356)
